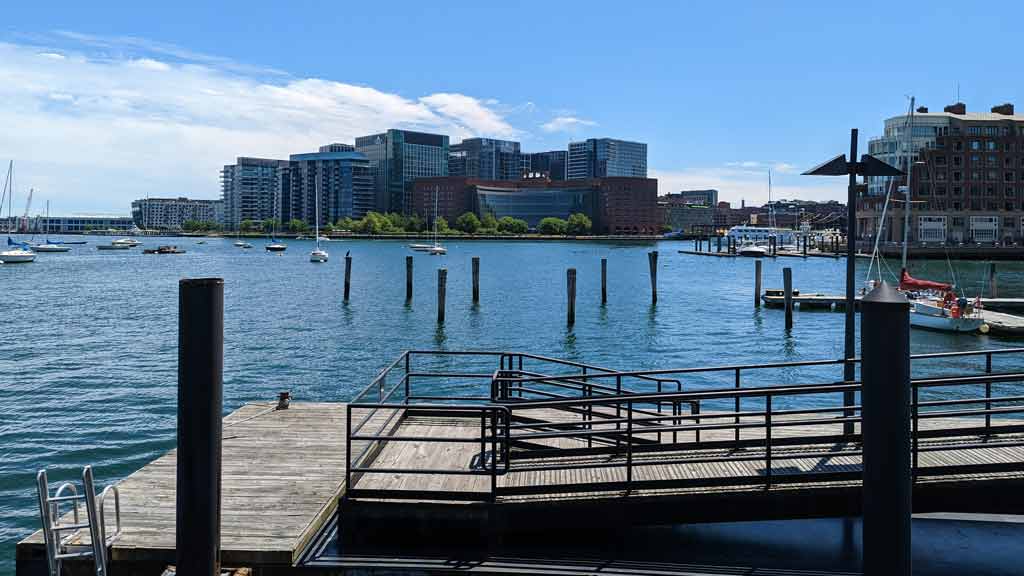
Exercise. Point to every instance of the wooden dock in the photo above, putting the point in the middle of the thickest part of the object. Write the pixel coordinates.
(282, 474)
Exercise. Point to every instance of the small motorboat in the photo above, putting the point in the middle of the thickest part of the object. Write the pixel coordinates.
(421, 247)
(129, 242)
(318, 255)
(437, 250)
(164, 250)
(752, 250)
(113, 246)
(50, 248)
(276, 247)
(243, 245)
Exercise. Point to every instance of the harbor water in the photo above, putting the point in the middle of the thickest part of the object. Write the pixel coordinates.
(88, 341)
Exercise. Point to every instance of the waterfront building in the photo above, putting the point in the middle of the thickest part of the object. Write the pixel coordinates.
(485, 159)
(966, 179)
(606, 157)
(79, 224)
(614, 205)
(697, 197)
(252, 189)
(552, 163)
(689, 218)
(397, 158)
(343, 178)
(172, 213)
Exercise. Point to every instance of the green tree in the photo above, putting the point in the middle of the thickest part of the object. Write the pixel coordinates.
(297, 226)
(513, 225)
(346, 224)
(488, 221)
(468, 223)
(552, 226)
(398, 222)
(442, 224)
(374, 223)
(247, 225)
(191, 225)
(269, 225)
(414, 224)
(578, 224)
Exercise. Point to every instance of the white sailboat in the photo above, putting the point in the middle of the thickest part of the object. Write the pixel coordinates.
(436, 249)
(50, 246)
(317, 255)
(275, 245)
(17, 252)
(933, 305)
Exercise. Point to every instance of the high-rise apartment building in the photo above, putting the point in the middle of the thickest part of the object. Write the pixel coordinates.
(966, 181)
(172, 213)
(252, 188)
(341, 178)
(552, 163)
(397, 158)
(606, 157)
(485, 158)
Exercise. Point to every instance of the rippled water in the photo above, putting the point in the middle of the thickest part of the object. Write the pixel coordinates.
(88, 339)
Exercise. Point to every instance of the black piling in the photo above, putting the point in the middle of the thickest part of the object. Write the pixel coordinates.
(718, 238)
(993, 284)
(408, 278)
(604, 281)
(757, 283)
(652, 263)
(442, 287)
(787, 284)
(476, 279)
(200, 408)
(348, 275)
(885, 398)
(570, 289)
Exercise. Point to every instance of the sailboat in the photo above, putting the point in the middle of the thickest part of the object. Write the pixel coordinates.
(239, 243)
(933, 305)
(274, 245)
(317, 255)
(436, 249)
(50, 246)
(17, 252)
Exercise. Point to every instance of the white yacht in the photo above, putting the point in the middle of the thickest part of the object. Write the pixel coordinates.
(17, 253)
(318, 254)
(752, 250)
(762, 234)
(129, 242)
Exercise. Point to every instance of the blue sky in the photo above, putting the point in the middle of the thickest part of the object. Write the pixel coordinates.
(103, 104)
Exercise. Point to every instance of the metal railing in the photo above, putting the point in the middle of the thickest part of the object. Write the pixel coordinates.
(549, 416)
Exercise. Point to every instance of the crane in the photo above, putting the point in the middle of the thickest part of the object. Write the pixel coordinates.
(28, 204)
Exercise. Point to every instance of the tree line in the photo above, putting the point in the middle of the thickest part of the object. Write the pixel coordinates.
(394, 223)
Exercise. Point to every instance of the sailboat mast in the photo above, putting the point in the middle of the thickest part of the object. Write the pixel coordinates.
(316, 223)
(909, 142)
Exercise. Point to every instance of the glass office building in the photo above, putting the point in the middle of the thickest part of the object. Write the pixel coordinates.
(535, 204)
(606, 157)
(397, 158)
(553, 163)
(252, 189)
(486, 159)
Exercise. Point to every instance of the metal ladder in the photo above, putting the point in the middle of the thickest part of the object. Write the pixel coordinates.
(59, 548)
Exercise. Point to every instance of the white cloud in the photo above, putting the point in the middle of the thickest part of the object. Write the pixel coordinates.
(738, 183)
(92, 133)
(566, 124)
(762, 166)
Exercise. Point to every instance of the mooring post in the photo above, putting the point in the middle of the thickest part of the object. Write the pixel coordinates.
(348, 275)
(885, 428)
(442, 282)
(604, 281)
(200, 406)
(993, 286)
(570, 289)
(652, 262)
(757, 283)
(718, 238)
(787, 285)
(408, 278)
(805, 246)
(476, 279)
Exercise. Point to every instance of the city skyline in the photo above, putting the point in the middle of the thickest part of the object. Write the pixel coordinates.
(103, 108)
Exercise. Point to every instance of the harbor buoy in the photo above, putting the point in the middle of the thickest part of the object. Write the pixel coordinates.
(983, 329)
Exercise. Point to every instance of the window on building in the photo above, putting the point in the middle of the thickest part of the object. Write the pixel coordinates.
(1009, 176)
(958, 176)
(974, 130)
(1010, 206)
(924, 190)
(1010, 192)
(975, 145)
(990, 190)
(940, 190)
(958, 161)
(940, 160)
(975, 160)
(940, 176)
(991, 176)
(992, 160)
(1009, 222)
(991, 145)
(958, 220)
(958, 191)
(958, 145)
(976, 175)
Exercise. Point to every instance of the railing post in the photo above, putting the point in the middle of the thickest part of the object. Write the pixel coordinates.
(988, 394)
(348, 448)
(768, 441)
(885, 425)
(629, 445)
(200, 410)
(736, 419)
(494, 454)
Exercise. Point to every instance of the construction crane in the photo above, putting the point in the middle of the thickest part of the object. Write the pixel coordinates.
(28, 205)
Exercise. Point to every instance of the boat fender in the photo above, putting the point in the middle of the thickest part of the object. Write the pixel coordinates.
(983, 329)
(955, 311)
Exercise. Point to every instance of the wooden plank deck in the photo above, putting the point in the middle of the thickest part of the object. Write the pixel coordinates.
(282, 474)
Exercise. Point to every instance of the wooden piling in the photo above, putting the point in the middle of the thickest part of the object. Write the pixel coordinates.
(787, 282)
(805, 246)
(570, 288)
(993, 286)
(757, 283)
(348, 276)
(442, 282)
(604, 281)
(719, 238)
(476, 279)
(408, 278)
(652, 262)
